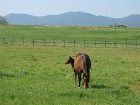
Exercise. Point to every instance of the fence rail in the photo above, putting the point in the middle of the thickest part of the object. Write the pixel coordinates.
(73, 43)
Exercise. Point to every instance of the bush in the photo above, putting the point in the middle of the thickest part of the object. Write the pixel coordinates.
(3, 21)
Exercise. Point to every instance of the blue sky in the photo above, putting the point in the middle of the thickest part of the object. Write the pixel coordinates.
(110, 8)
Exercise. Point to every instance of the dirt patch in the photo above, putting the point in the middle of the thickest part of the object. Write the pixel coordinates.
(135, 86)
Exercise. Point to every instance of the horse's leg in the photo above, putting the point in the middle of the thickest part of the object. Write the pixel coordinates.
(75, 78)
(79, 77)
(83, 78)
(86, 81)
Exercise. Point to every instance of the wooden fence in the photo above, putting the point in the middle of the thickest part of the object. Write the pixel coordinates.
(72, 43)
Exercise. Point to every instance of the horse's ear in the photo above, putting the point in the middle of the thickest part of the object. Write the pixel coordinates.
(71, 58)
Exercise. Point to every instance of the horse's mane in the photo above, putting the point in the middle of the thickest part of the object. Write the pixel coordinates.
(79, 54)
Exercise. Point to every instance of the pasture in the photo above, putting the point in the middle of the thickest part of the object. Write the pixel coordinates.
(68, 33)
(38, 75)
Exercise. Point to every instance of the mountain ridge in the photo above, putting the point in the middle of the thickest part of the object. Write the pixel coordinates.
(73, 18)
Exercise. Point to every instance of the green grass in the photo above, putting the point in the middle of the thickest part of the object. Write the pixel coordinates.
(69, 33)
(38, 76)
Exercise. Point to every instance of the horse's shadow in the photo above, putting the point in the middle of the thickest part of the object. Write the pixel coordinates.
(8, 75)
(100, 86)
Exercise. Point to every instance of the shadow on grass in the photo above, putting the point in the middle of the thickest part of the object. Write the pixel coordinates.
(8, 75)
(100, 86)
(74, 94)
(13, 75)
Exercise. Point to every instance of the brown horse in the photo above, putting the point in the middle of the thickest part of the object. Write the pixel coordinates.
(81, 64)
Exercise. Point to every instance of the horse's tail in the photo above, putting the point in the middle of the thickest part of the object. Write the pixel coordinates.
(87, 66)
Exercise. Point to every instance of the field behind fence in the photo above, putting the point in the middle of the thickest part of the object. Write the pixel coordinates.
(72, 43)
(70, 36)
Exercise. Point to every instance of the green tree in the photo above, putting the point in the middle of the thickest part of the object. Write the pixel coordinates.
(3, 21)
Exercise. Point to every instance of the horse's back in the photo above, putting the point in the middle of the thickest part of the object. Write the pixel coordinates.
(82, 62)
(78, 63)
(87, 61)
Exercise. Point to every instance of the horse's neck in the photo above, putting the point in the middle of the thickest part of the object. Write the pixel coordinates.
(72, 64)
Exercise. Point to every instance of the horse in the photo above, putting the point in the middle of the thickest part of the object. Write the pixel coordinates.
(81, 64)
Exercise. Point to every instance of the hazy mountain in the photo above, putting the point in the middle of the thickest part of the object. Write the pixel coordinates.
(73, 18)
(22, 19)
(131, 21)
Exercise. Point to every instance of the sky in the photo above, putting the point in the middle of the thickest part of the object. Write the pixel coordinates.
(109, 8)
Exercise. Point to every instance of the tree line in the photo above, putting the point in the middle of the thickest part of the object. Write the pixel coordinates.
(3, 21)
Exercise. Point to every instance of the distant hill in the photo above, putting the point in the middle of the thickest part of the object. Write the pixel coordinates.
(73, 18)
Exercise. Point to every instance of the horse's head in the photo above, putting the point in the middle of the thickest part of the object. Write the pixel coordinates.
(70, 61)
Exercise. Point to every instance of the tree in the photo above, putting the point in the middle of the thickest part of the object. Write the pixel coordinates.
(3, 21)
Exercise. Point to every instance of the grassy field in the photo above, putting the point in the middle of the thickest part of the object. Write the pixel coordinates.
(69, 33)
(38, 75)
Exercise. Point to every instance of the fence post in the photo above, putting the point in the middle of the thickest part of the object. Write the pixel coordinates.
(136, 44)
(126, 43)
(64, 42)
(53, 42)
(3, 40)
(105, 43)
(115, 44)
(84, 43)
(44, 42)
(33, 42)
(23, 41)
(74, 43)
(95, 43)
(12, 41)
